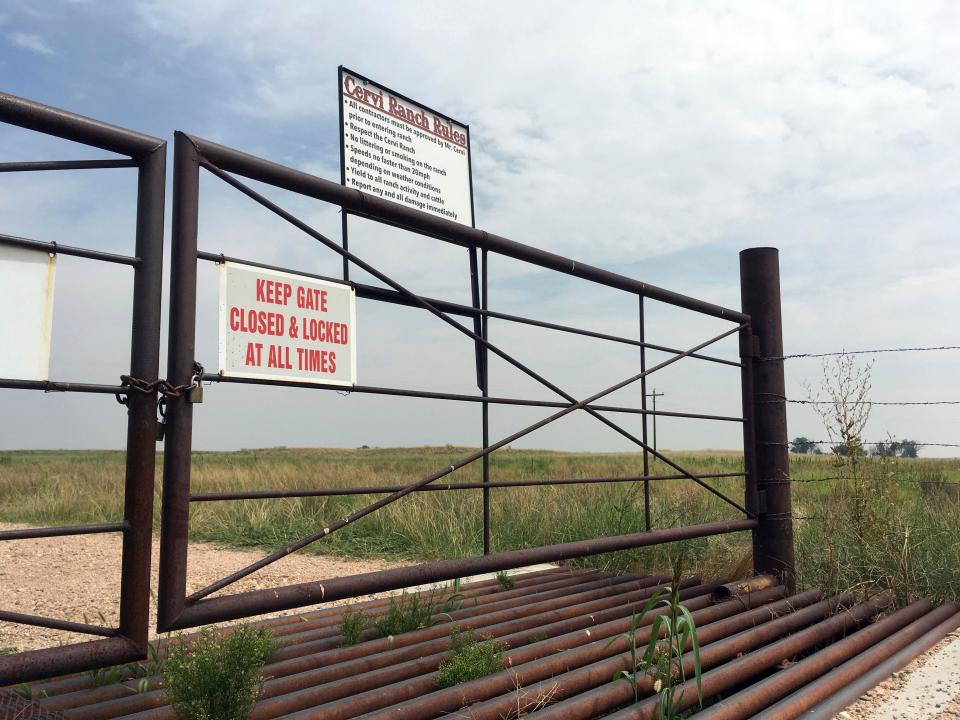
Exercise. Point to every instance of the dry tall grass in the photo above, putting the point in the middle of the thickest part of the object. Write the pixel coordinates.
(909, 539)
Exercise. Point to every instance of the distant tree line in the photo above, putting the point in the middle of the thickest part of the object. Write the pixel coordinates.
(893, 448)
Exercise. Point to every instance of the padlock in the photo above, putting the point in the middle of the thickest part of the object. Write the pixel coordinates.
(195, 395)
(161, 426)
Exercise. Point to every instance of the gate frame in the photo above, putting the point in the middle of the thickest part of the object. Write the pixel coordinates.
(178, 611)
(128, 641)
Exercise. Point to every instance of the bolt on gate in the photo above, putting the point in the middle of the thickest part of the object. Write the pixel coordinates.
(128, 641)
(766, 507)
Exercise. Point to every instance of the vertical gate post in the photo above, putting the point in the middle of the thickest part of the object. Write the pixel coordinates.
(765, 432)
(178, 438)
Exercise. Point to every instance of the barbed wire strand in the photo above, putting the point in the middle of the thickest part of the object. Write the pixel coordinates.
(857, 352)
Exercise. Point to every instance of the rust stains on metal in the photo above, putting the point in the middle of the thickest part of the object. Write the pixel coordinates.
(565, 634)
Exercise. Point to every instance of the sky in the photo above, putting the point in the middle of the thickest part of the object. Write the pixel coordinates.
(653, 139)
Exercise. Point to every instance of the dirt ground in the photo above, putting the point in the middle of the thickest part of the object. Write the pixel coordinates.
(926, 689)
(78, 579)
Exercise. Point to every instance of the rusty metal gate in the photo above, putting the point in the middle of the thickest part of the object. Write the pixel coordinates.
(764, 509)
(128, 641)
(764, 456)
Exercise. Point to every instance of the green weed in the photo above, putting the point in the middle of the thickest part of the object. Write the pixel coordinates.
(214, 677)
(505, 582)
(404, 614)
(471, 659)
(352, 626)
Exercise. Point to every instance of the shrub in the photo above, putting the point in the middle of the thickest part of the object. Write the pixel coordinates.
(351, 626)
(471, 659)
(214, 677)
(408, 613)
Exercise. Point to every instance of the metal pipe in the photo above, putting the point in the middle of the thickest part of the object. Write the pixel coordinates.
(757, 696)
(283, 598)
(523, 612)
(575, 404)
(374, 292)
(579, 669)
(643, 431)
(847, 682)
(41, 165)
(49, 662)
(429, 395)
(311, 641)
(178, 435)
(760, 296)
(374, 208)
(356, 694)
(525, 663)
(759, 660)
(70, 126)
(142, 407)
(297, 679)
(383, 489)
(379, 504)
(78, 683)
(739, 588)
(53, 386)
(57, 249)
(56, 624)
(484, 359)
(31, 533)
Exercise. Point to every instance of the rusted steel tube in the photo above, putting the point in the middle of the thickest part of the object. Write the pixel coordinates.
(370, 206)
(472, 604)
(729, 637)
(519, 613)
(284, 598)
(56, 661)
(329, 669)
(760, 660)
(569, 590)
(77, 690)
(576, 668)
(843, 685)
(743, 587)
(376, 688)
(360, 692)
(755, 698)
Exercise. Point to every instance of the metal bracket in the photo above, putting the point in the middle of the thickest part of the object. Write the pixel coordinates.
(749, 346)
(759, 502)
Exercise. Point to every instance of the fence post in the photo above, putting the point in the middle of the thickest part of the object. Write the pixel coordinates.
(765, 433)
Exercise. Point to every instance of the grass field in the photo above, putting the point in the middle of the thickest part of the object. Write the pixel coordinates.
(897, 526)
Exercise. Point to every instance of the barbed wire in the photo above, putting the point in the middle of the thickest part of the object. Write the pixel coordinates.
(796, 401)
(879, 442)
(941, 483)
(857, 352)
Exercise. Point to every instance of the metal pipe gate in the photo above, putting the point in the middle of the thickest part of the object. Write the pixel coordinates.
(764, 509)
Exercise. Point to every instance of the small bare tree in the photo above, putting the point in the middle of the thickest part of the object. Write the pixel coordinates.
(843, 403)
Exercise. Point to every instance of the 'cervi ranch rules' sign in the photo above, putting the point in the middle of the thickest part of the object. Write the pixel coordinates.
(399, 150)
(280, 326)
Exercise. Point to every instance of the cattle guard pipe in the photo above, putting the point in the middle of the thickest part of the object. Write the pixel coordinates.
(765, 425)
(284, 598)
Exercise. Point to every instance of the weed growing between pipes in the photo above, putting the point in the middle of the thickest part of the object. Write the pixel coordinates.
(662, 660)
(471, 659)
(215, 677)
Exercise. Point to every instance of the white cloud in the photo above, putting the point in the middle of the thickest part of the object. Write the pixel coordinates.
(31, 42)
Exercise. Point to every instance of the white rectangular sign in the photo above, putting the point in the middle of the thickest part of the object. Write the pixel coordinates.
(399, 150)
(280, 326)
(26, 312)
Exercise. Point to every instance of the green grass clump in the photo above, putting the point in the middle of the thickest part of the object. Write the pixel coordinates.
(352, 625)
(214, 677)
(409, 612)
(505, 582)
(471, 659)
